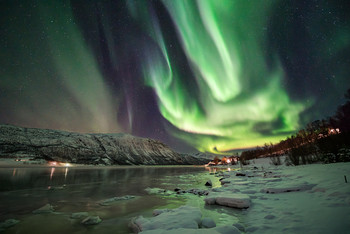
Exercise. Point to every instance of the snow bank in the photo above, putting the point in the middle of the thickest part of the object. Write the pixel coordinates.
(184, 220)
(182, 217)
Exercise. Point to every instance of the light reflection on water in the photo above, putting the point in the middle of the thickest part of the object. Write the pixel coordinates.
(52, 171)
(72, 189)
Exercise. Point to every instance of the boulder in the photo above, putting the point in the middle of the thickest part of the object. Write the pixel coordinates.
(209, 183)
(91, 220)
(208, 223)
(239, 201)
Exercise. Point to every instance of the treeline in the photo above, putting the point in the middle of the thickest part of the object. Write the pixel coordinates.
(325, 140)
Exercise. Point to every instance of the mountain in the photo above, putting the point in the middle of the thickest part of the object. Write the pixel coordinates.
(109, 149)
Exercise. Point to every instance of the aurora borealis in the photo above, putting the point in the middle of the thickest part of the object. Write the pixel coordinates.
(207, 75)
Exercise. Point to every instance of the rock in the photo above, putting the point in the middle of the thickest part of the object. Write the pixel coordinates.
(114, 200)
(159, 211)
(45, 209)
(209, 183)
(199, 192)
(79, 215)
(225, 181)
(91, 220)
(239, 227)
(208, 223)
(240, 201)
(182, 217)
(8, 223)
(106, 149)
(155, 190)
(240, 174)
(269, 217)
(177, 189)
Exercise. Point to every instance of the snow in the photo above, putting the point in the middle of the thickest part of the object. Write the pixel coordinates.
(45, 209)
(308, 198)
(182, 217)
(185, 220)
(268, 199)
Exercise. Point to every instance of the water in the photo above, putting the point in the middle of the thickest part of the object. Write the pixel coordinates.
(80, 189)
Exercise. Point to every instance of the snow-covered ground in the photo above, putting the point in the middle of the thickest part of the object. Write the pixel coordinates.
(257, 198)
(281, 199)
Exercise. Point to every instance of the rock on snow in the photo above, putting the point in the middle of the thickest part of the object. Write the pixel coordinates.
(240, 201)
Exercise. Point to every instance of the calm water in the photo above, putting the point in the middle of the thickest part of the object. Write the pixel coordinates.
(26, 189)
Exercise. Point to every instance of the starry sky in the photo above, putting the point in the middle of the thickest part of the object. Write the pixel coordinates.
(202, 75)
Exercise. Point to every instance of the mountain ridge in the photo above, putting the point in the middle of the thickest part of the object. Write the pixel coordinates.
(88, 148)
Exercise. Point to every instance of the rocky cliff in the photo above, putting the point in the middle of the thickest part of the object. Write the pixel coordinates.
(109, 149)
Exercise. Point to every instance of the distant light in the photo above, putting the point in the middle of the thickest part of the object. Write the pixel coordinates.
(67, 165)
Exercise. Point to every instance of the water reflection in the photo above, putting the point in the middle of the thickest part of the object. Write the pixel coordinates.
(52, 171)
(65, 173)
(74, 189)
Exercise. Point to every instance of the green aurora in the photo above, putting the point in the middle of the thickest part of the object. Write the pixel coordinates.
(238, 92)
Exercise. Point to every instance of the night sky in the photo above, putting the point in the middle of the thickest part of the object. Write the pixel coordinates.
(203, 75)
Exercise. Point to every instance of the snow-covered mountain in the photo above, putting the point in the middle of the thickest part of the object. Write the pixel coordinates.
(109, 149)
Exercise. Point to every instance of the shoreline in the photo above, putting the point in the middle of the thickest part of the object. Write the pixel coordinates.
(10, 163)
